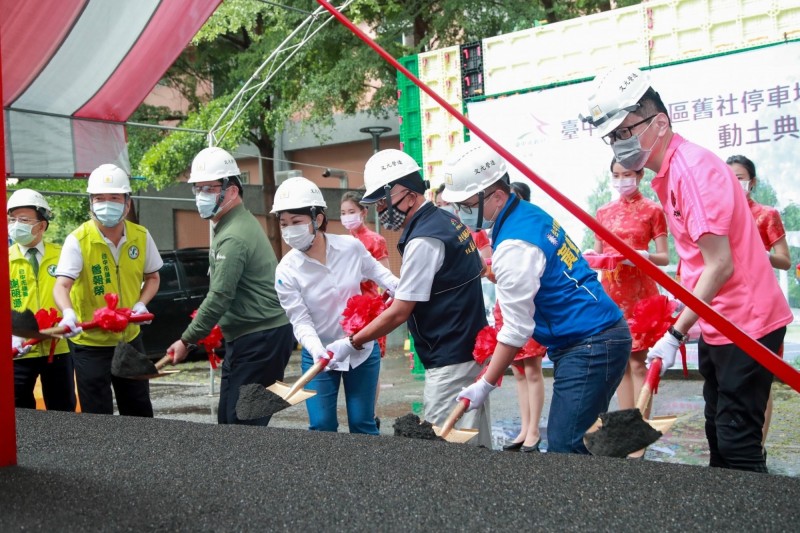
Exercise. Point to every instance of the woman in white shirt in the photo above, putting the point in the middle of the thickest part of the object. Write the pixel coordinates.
(314, 280)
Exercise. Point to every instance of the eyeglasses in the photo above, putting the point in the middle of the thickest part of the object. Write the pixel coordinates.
(23, 220)
(467, 209)
(622, 134)
(204, 188)
(382, 201)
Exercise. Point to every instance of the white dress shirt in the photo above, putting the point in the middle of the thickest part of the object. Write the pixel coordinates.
(70, 263)
(518, 267)
(39, 251)
(422, 259)
(314, 295)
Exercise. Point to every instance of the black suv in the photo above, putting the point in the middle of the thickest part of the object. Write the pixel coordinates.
(184, 285)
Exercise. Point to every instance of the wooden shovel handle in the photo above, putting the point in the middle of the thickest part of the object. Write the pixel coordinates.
(164, 361)
(650, 384)
(454, 417)
(309, 374)
(60, 330)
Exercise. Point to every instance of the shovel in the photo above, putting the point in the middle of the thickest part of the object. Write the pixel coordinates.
(24, 324)
(447, 431)
(256, 401)
(129, 363)
(619, 433)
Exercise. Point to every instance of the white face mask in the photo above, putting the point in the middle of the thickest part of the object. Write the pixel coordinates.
(298, 237)
(745, 185)
(351, 221)
(625, 186)
(21, 233)
(108, 214)
(206, 203)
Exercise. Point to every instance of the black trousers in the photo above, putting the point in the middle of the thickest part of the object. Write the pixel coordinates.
(58, 384)
(736, 391)
(93, 374)
(259, 357)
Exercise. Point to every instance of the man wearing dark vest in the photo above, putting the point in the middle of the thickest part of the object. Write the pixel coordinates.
(439, 294)
(546, 291)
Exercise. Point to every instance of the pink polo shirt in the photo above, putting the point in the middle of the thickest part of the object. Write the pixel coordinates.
(700, 194)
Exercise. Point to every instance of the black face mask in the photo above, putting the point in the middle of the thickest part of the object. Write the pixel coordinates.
(392, 218)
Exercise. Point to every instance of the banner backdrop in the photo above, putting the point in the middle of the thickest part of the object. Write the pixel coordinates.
(743, 103)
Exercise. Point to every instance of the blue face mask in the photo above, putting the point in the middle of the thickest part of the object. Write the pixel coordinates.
(21, 233)
(108, 214)
(206, 203)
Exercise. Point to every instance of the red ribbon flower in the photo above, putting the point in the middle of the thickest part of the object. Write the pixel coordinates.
(360, 310)
(485, 343)
(210, 343)
(652, 317)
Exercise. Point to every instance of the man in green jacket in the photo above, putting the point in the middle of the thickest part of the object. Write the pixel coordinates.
(241, 295)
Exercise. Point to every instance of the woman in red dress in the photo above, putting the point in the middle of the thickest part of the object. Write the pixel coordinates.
(770, 227)
(637, 221)
(352, 216)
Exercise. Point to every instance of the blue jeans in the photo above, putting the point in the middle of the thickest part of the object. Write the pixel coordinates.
(360, 385)
(585, 376)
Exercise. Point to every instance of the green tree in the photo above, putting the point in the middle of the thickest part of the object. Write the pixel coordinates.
(333, 72)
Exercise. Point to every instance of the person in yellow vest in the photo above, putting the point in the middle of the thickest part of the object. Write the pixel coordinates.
(106, 254)
(31, 268)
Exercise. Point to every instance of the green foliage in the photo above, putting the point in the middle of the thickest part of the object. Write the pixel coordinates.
(764, 194)
(333, 73)
(600, 196)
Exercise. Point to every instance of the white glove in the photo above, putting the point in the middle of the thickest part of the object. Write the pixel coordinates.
(139, 309)
(70, 321)
(19, 344)
(318, 354)
(666, 348)
(342, 352)
(476, 393)
(643, 253)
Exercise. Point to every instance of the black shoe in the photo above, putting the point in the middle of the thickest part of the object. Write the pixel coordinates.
(514, 446)
(378, 423)
(530, 449)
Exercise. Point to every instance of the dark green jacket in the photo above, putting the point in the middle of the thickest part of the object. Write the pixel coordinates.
(241, 294)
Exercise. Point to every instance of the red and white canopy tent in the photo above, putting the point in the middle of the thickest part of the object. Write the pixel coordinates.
(72, 72)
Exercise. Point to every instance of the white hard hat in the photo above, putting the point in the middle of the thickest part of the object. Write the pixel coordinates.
(297, 193)
(213, 164)
(383, 168)
(471, 168)
(109, 179)
(616, 92)
(30, 198)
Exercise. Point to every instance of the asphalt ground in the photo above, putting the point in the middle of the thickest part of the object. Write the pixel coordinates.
(80, 472)
(186, 397)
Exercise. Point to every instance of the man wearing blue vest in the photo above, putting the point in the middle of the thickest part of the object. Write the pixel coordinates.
(546, 291)
(439, 294)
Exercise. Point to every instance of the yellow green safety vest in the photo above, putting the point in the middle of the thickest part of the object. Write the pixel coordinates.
(101, 275)
(35, 292)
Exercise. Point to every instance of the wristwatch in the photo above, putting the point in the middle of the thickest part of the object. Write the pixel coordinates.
(681, 337)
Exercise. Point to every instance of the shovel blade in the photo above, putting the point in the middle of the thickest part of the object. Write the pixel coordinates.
(457, 436)
(620, 433)
(160, 374)
(662, 423)
(282, 389)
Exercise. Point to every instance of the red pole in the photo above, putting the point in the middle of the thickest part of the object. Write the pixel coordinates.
(8, 430)
(757, 351)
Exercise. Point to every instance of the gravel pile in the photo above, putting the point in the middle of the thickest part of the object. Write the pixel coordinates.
(80, 472)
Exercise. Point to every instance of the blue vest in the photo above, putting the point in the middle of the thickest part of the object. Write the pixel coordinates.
(571, 304)
(444, 328)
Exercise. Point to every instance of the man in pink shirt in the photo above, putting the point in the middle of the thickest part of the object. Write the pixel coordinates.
(722, 260)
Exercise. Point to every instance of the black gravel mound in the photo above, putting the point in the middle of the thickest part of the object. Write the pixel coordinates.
(80, 472)
(256, 401)
(410, 426)
(623, 432)
(128, 362)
